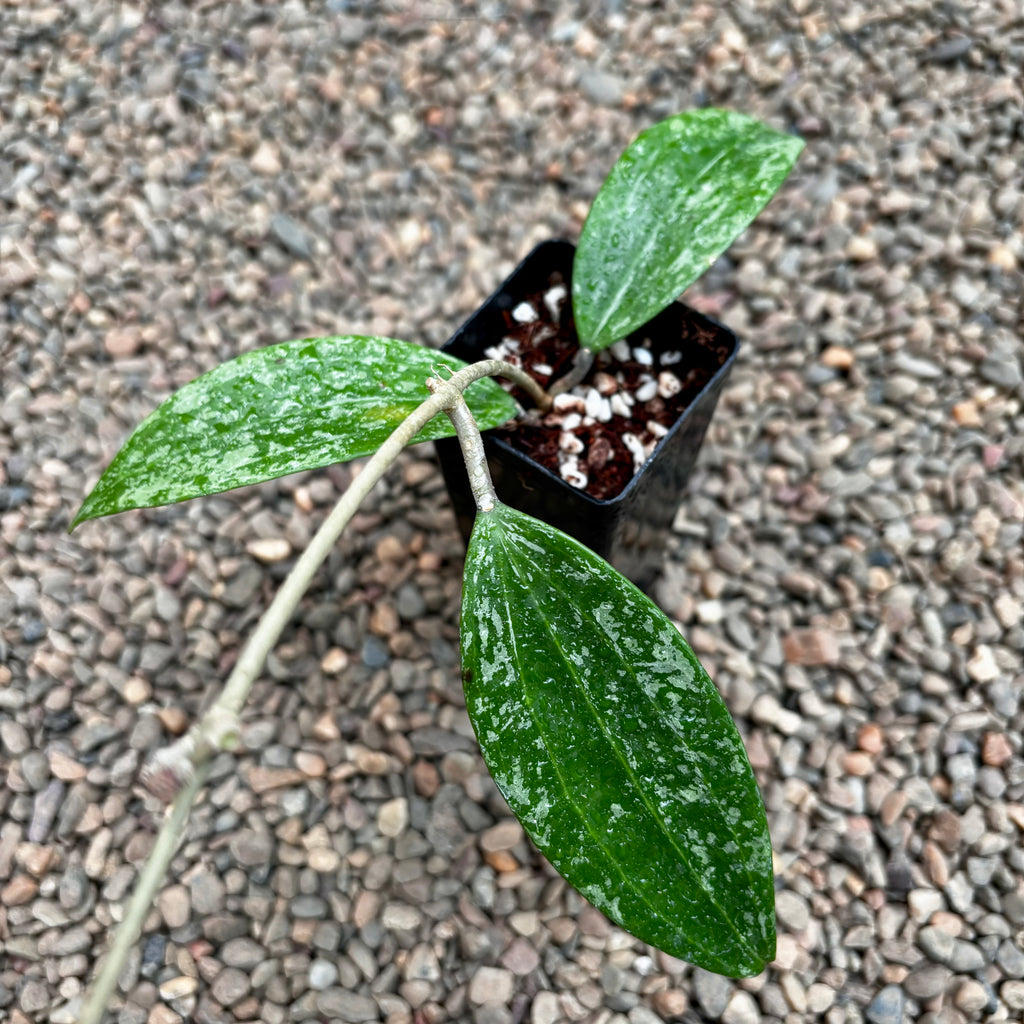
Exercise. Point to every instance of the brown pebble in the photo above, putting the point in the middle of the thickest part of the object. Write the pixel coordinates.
(810, 647)
(670, 1003)
(966, 414)
(870, 738)
(121, 342)
(837, 358)
(325, 729)
(935, 864)
(65, 768)
(173, 719)
(262, 780)
(857, 762)
(502, 861)
(390, 549)
(426, 779)
(310, 764)
(334, 661)
(996, 749)
(20, 889)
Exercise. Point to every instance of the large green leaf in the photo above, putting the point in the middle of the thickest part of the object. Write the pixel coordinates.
(613, 747)
(298, 405)
(672, 204)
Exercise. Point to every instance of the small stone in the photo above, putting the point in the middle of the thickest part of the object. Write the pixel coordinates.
(837, 358)
(422, 964)
(820, 997)
(971, 997)
(602, 88)
(230, 986)
(15, 737)
(207, 893)
(503, 836)
(251, 849)
(712, 992)
(792, 910)
(266, 159)
(491, 985)
(120, 343)
(242, 952)
(351, 1007)
(926, 982)
(174, 905)
(334, 661)
(741, 1009)
(545, 1009)
(173, 719)
(1012, 993)
(996, 749)
(811, 647)
(20, 889)
(966, 414)
(178, 988)
(263, 780)
(269, 549)
(861, 248)
(521, 957)
(393, 817)
(322, 975)
(310, 764)
(887, 1006)
(670, 1003)
(982, 666)
(66, 768)
(136, 691)
(1003, 258)
(291, 236)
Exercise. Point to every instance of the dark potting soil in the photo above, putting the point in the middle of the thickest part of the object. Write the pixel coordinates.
(608, 449)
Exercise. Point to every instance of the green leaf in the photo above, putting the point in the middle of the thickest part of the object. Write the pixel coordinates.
(613, 747)
(281, 409)
(672, 204)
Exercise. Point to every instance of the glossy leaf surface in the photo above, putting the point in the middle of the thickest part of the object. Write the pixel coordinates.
(613, 747)
(289, 407)
(672, 204)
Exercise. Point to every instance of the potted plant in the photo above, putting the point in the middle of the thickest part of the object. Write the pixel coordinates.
(605, 735)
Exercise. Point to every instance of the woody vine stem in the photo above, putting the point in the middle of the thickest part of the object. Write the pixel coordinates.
(177, 773)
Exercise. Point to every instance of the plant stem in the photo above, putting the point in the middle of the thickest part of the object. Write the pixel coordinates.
(167, 840)
(182, 768)
(472, 445)
(581, 364)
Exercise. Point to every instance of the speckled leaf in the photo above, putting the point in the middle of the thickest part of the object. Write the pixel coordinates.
(298, 405)
(672, 204)
(613, 747)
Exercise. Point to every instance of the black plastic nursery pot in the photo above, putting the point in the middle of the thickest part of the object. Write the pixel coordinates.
(629, 523)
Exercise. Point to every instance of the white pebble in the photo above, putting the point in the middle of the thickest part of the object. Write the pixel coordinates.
(657, 429)
(524, 313)
(593, 403)
(668, 384)
(636, 449)
(570, 444)
(553, 299)
(647, 391)
(670, 358)
(618, 405)
(573, 475)
(643, 356)
(606, 384)
(572, 421)
(604, 414)
(543, 369)
(496, 351)
(620, 350)
(567, 402)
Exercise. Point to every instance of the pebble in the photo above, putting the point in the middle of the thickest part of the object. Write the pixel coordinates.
(491, 985)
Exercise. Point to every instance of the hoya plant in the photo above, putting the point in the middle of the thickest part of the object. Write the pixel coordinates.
(599, 725)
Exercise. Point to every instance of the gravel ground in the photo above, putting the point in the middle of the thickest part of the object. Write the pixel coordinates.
(180, 186)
